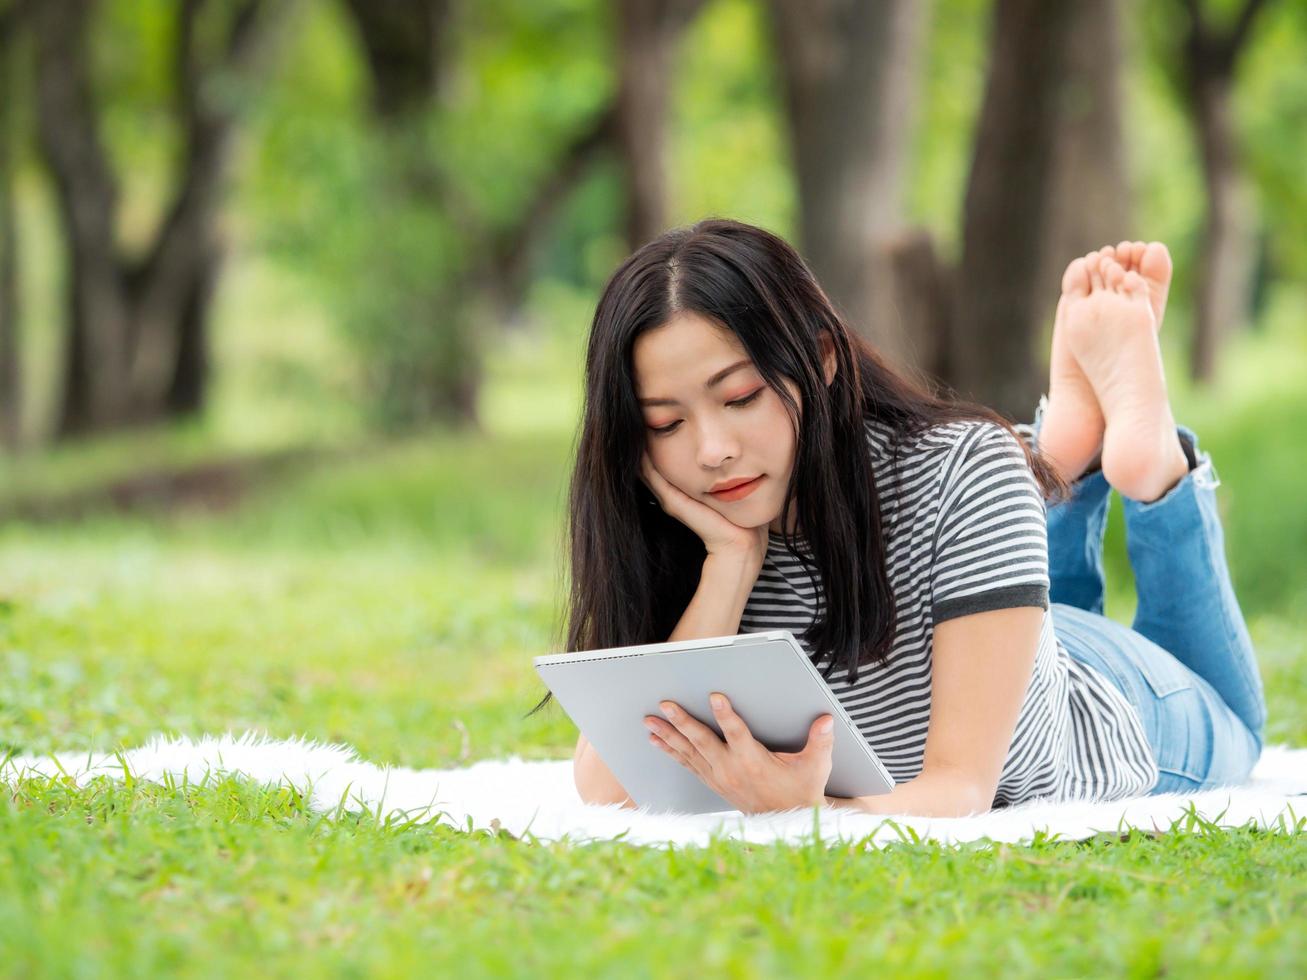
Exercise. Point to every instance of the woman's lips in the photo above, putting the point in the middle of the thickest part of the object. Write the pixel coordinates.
(743, 490)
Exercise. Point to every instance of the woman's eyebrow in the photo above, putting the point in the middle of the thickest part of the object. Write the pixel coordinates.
(716, 379)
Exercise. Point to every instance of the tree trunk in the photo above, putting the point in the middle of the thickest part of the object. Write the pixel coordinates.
(96, 358)
(11, 389)
(1225, 263)
(433, 372)
(1007, 208)
(1223, 289)
(647, 32)
(922, 285)
(1089, 195)
(137, 332)
(403, 41)
(849, 69)
(404, 45)
(191, 366)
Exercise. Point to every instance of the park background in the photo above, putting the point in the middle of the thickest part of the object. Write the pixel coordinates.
(293, 301)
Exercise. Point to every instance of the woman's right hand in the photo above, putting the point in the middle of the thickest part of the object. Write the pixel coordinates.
(720, 535)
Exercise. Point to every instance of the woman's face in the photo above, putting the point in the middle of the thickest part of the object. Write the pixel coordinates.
(711, 419)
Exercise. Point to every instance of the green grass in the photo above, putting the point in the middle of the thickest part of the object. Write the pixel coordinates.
(227, 878)
(393, 600)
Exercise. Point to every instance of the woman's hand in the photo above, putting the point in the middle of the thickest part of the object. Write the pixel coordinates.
(742, 770)
(720, 535)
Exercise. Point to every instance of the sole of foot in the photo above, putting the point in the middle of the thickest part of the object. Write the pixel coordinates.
(1071, 433)
(1150, 260)
(1110, 328)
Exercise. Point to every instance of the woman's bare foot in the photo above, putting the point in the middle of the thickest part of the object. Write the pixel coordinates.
(1110, 329)
(1153, 262)
(1071, 433)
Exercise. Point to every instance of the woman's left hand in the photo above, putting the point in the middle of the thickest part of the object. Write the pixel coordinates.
(741, 769)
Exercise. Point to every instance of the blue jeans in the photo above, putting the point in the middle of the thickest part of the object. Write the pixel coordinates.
(1186, 663)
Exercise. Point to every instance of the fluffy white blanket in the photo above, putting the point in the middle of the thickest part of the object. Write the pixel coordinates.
(538, 799)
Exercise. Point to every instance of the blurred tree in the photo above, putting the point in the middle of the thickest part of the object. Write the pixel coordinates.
(451, 266)
(420, 345)
(1271, 108)
(1209, 56)
(849, 71)
(137, 341)
(10, 364)
(404, 41)
(1091, 192)
(647, 32)
(1047, 180)
(1007, 212)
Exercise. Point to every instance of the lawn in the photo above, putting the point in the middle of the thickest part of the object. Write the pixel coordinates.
(393, 598)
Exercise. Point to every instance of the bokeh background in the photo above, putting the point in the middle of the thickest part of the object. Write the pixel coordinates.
(293, 303)
(294, 293)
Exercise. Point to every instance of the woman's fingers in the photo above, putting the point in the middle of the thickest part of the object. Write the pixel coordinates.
(672, 500)
(651, 478)
(732, 725)
(716, 531)
(698, 736)
(675, 733)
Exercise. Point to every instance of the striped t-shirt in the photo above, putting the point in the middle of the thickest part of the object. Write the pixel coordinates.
(966, 532)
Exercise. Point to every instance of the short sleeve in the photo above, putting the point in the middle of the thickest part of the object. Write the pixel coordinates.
(991, 538)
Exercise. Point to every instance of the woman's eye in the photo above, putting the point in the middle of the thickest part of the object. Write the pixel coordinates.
(667, 430)
(746, 399)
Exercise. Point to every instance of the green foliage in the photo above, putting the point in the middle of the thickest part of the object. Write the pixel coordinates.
(1268, 110)
(396, 227)
(341, 207)
(728, 152)
(953, 67)
(1271, 107)
(524, 79)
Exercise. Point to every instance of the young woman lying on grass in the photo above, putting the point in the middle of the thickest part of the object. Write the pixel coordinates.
(747, 462)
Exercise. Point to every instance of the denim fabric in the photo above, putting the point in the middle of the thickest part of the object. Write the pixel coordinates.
(1187, 663)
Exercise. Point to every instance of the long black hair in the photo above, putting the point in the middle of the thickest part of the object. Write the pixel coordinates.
(634, 569)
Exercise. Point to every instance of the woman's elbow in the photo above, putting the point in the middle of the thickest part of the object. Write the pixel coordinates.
(976, 800)
(969, 793)
(982, 796)
(595, 783)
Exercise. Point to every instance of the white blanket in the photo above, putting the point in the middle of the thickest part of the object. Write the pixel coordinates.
(538, 799)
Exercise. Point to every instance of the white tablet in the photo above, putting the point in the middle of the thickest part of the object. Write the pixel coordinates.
(769, 680)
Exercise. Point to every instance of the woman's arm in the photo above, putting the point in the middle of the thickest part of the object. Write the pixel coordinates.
(981, 667)
(718, 603)
(595, 782)
(724, 586)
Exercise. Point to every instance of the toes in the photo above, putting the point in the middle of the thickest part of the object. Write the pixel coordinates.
(1125, 255)
(1113, 274)
(1093, 262)
(1133, 284)
(1135, 287)
(1155, 263)
(1075, 281)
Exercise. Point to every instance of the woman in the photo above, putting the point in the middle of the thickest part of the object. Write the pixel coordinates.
(747, 462)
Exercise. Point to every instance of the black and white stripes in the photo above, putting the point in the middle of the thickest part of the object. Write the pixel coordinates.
(966, 532)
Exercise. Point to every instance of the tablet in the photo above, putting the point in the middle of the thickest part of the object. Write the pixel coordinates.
(771, 684)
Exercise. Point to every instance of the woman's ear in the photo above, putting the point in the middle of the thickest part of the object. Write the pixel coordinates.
(827, 355)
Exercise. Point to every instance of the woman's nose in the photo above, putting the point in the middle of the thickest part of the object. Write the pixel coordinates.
(717, 443)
